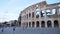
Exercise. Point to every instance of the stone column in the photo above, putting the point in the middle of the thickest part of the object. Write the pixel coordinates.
(35, 17)
(59, 23)
(45, 17)
(31, 24)
(40, 23)
(28, 24)
(39, 16)
(52, 23)
(35, 24)
(31, 18)
(51, 11)
(45, 24)
(57, 10)
(28, 18)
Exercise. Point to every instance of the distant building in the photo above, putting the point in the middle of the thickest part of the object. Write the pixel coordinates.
(41, 15)
(12, 23)
(1, 25)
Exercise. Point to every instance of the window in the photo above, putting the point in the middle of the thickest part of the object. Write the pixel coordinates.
(48, 12)
(37, 24)
(56, 24)
(49, 24)
(32, 14)
(42, 23)
(33, 24)
(42, 13)
(53, 11)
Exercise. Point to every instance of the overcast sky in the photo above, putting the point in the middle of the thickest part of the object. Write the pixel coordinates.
(10, 9)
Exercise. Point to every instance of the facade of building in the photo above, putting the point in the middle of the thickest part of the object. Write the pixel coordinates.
(41, 15)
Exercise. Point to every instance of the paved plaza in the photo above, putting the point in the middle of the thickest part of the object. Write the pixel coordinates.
(20, 30)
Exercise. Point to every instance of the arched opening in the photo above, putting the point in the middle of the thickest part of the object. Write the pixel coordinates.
(37, 14)
(37, 24)
(29, 14)
(42, 23)
(19, 23)
(33, 24)
(29, 24)
(49, 23)
(42, 13)
(53, 11)
(56, 24)
(32, 14)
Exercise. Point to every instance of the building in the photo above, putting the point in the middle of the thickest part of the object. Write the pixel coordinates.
(41, 15)
(11, 23)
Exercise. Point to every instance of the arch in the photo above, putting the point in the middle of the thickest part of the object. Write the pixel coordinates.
(56, 24)
(42, 23)
(37, 16)
(49, 23)
(33, 23)
(32, 14)
(29, 24)
(42, 13)
(37, 23)
(29, 14)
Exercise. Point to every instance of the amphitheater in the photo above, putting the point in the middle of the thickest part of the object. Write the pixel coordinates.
(40, 18)
(41, 15)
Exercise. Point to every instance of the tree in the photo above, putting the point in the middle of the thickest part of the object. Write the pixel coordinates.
(5, 22)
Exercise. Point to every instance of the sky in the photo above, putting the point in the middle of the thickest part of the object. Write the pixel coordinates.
(10, 9)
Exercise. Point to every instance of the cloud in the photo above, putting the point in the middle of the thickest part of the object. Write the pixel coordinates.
(8, 16)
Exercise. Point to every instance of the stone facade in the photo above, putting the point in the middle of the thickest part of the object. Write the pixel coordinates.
(41, 15)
